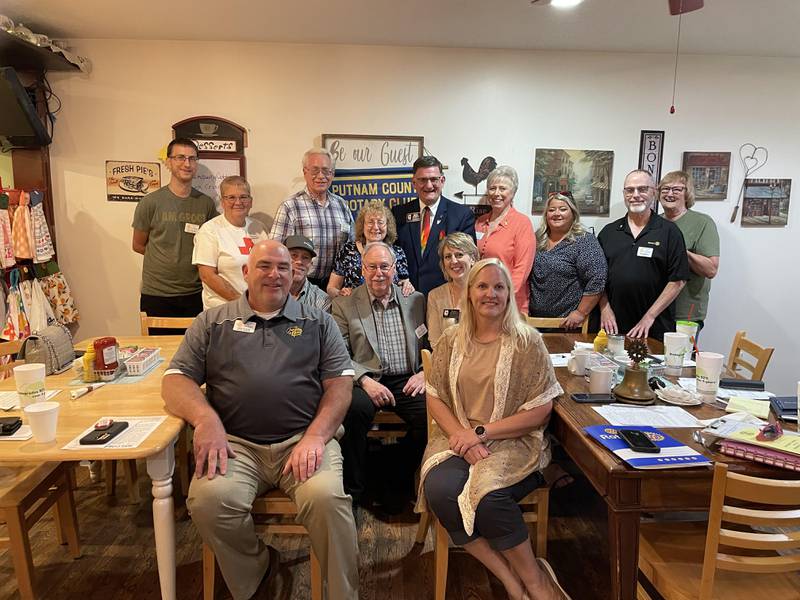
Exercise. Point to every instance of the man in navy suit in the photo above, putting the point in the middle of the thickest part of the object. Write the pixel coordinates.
(422, 223)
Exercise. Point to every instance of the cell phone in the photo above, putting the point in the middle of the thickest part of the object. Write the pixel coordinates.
(638, 441)
(593, 398)
(8, 425)
(103, 436)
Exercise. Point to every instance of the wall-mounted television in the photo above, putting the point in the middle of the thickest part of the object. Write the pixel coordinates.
(20, 126)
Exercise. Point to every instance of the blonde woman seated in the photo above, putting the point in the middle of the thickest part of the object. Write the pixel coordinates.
(487, 446)
(457, 254)
(374, 223)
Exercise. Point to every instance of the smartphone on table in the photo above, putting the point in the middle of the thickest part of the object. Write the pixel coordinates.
(638, 441)
(104, 435)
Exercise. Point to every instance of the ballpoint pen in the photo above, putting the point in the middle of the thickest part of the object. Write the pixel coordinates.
(82, 391)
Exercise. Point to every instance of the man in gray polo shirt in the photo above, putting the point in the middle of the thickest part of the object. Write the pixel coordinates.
(278, 383)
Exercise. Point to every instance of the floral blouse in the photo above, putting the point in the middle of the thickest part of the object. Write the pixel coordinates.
(348, 265)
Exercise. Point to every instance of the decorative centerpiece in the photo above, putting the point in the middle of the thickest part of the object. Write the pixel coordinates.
(634, 388)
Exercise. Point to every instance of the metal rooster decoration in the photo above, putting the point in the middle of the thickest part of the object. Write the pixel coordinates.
(473, 177)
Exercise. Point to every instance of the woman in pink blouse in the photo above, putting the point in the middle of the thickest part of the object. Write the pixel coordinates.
(506, 233)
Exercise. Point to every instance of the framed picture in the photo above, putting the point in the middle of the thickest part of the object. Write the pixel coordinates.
(373, 153)
(130, 181)
(766, 202)
(585, 173)
(710, 172)
(651, 153)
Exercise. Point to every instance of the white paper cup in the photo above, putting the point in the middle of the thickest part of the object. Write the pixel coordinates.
(43, 418)
(600, 380)
(30, 383)
(709, 367)
(578, 361)
(690, 329)
(675, 345)
(616, 344)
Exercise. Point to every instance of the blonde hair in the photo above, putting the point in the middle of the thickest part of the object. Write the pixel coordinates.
(376, 207)
(458, 240)
(575, 231)
(679, 177)
(513, 325)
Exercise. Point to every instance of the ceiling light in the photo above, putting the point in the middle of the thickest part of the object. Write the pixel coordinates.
(565, 3)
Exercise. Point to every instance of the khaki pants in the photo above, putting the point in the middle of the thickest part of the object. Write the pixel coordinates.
(220, 509)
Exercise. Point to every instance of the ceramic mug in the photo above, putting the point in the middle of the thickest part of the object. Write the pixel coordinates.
(600, 380)
(578, 361)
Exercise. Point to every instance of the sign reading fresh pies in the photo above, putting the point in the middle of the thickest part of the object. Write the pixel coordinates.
(128, 181)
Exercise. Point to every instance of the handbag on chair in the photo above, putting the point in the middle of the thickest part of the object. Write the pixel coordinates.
(51, 346)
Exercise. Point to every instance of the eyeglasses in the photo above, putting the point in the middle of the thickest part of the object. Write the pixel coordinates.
(568, 194)
(314, 171)
(642, 189)
(383, 268)
(431, 180)
(244, 198)
(183, 158)
(675, 189)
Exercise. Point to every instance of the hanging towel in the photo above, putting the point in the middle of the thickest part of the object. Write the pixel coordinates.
(43, 243)
(21, 231)
(6, 245)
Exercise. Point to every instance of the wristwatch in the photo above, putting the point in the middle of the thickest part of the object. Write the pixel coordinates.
(480, 431)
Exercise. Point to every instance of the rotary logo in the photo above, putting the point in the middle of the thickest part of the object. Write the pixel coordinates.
(294, 331)
(654, 436)
(610, 431)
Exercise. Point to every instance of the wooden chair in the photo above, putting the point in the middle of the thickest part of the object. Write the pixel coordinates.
(27, 492)
(277, 505)
(183, 446)
(535, 507)
(704, 561)
(554, 323)
(390, 427)
(9, 349)
(761, 355)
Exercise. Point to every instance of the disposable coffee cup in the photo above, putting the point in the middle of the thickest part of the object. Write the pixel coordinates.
(578, 361)
(675, 345)
(43, 418)
(600, 380)
(30, 383)
(709, 367)
(690, 329)
(616, 345)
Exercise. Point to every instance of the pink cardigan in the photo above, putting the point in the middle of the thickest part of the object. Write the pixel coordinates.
(514, 243)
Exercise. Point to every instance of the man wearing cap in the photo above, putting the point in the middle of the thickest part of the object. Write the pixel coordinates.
(302, 250)
(278, 383)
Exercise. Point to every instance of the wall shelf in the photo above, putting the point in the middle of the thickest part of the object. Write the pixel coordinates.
(24, 56)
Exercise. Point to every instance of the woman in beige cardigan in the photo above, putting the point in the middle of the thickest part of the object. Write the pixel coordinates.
(487, 446)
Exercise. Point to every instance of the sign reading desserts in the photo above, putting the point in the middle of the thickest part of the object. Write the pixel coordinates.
(129, 181)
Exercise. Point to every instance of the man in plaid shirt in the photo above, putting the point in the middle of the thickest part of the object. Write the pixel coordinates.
(317, 214)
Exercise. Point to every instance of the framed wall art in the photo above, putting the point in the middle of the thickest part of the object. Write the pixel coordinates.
(766, 202)
(710, 171)
(651, 153)
(585, 173)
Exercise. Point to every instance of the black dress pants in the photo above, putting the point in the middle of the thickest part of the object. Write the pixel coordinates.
(357, 424)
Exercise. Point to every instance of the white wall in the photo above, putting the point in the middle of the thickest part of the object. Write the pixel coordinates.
(466, 103)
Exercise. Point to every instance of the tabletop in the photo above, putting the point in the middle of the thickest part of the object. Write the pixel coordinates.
(114, 399)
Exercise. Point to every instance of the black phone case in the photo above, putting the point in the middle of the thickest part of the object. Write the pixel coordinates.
(99, 437)
(593, 398)
(632, 439)
(8, 425)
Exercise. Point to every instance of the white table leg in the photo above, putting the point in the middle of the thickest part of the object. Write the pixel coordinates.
(160, 468)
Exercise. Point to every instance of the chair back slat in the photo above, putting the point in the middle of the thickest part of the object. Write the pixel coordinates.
(554, 323)
(763, 491)
(146, 323)
(758, 564)
(756, 517)
(761, 355)
(759, 541)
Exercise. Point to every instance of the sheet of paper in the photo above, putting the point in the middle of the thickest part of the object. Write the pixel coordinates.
(138, 430)
(690, 383)
(759, 408)
(559, 360)
(23, 433)
(654, 416)
(10, 400)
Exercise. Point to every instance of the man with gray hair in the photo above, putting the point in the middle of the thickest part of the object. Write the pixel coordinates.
(385, 333)
(317, 214)
(647, 265)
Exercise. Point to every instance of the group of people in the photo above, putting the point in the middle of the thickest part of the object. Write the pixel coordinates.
(309, 330)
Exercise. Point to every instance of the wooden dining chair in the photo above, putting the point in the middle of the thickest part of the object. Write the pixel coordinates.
(743, 552)
(183, 446)
(8, 357)
(760, 355)
(535, 510)
(387, 426)
(27, 492)
(554, 323)
(281, 510)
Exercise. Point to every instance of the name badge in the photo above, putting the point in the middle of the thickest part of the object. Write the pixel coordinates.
(643, 251)
(421, 331)
(242, 327)
(191, 228)
(451, 313)
(412, 218)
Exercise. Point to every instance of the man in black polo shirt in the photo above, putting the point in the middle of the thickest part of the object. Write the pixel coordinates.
(278, 383)
(647, 265)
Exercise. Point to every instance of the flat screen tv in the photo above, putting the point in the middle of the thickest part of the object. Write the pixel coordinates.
(20, 126)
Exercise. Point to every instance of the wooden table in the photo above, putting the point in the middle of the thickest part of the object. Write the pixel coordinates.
(629, 492)
(140, 399)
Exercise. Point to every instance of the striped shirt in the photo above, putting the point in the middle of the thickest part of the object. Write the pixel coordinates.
(329, 227)
(311, 295)
(391, 336)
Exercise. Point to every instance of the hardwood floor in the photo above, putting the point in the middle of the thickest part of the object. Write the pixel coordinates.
(118, 559)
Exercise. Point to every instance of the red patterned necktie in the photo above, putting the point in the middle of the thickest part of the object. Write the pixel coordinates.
(426, 227)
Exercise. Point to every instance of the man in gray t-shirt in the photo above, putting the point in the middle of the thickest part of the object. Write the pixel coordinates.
(278, 383)
(164, 225)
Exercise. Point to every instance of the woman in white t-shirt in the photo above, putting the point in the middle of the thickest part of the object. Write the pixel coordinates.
(222, 245)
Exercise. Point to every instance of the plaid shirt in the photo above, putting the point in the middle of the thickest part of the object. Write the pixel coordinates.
(311, 295)
(329, 227)
(391, 336)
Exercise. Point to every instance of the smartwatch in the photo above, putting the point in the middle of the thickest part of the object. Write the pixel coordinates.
(480, 431)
